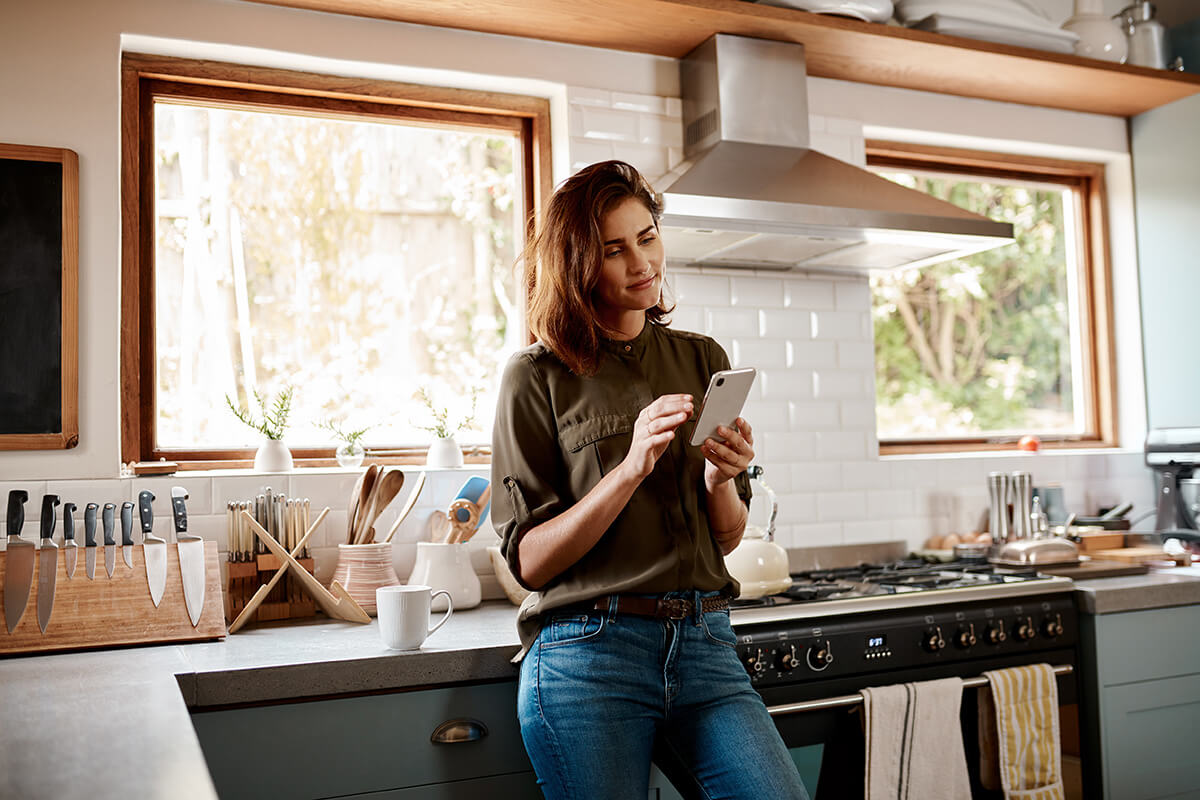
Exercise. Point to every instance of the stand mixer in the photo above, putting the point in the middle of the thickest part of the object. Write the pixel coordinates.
(1174, 454)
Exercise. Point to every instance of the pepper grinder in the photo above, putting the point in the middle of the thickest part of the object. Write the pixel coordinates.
(1022, 500)
(998, 497)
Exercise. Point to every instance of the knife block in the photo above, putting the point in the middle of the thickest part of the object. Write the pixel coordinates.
(105, 612)
(286, 600)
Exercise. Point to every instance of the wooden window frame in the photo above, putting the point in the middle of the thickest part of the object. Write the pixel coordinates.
(1096, 278)
(147, 77)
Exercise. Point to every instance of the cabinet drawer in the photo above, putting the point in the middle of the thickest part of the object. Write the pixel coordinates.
(1146, 645)
(1151, 740)
(360, 744)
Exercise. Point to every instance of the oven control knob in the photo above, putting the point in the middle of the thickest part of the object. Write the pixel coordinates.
(787, 659)
(1025, 630)
(1052, 627)
(995, 633)
(933, 641)
(819, 656)
(756, 662)
(965, 636)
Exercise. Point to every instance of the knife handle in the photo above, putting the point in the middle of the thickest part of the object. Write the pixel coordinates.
(107, 516)
(179, 509)
(89, 524)
(68, 522)
(16, 511)
(146, 511)
(49, 504)
(127, 523)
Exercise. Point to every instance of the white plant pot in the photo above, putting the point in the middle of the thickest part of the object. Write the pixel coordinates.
(444, 453)
(273, 456)
(1100, 36)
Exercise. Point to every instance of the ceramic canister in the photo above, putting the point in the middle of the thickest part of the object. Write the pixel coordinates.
(447, 566)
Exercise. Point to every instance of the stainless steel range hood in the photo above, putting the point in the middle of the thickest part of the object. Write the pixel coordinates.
(751, 193)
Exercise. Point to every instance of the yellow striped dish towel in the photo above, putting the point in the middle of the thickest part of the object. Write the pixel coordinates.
(1019, 743)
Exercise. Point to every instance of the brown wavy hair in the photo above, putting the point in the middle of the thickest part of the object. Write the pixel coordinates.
(563, 262)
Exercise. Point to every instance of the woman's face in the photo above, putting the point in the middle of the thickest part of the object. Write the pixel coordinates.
(632, 262)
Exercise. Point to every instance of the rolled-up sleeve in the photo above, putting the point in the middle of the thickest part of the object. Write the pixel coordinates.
(718, 360)
(527, 463)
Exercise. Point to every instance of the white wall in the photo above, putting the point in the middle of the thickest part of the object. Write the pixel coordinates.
(59, 85)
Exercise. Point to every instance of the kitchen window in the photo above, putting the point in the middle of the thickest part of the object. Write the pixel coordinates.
(978, 352)
(353, 240)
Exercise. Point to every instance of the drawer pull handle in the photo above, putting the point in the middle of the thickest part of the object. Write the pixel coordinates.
(457, 731)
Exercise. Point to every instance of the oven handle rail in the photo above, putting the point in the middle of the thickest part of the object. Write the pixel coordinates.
(847, 700)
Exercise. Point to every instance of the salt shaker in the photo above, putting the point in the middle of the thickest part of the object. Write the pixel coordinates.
(1038, 522)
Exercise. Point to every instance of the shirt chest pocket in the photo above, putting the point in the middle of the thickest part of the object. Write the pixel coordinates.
(595, 446)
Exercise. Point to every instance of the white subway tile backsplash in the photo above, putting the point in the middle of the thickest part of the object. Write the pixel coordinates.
(784, 323)
(199, 491)
(868, 531)
(759, 353)
(650, 160)
(757, 292)
(841, 445)
(661, 131)
(209, 527)
(33, 506)
(811, 355)
(858, 414)
(600, 123)
(766, 415)
(889, 503)
(813, 416)
(852, 295)
(795, 508)
(826, 534)
(856, 355)
(816, 476)
(840, 325)
(784, 446)
(833, 384)
(734, 322)
(786, 384)
(645, 103)
(690, 319)
(870, 475)
(809, 294)
(841, 506)
(330, 489)
(589, 151)
(674, 107)
(88, 491)
(697, 289)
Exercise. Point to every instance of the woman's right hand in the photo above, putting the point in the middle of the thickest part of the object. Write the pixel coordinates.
(654, 430)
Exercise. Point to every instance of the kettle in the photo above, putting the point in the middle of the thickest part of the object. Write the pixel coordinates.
(758, 563)
(1147, 37)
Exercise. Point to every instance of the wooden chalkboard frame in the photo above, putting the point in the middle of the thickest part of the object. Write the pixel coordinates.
(68, 437)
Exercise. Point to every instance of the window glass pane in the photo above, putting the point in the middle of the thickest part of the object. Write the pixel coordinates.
(356, 261)
(987, 345)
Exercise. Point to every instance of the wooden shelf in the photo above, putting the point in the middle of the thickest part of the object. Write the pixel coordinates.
(839, 48)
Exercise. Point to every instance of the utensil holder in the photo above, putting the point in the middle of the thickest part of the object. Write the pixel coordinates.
(363, 568)
(447, 566)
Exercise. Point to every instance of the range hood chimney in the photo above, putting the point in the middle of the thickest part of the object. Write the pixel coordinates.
(752, 193)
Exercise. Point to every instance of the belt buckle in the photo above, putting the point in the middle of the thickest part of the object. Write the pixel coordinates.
(674, 607)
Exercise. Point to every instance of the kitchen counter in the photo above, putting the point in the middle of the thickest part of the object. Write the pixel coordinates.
(115, 723)
(1178, 587)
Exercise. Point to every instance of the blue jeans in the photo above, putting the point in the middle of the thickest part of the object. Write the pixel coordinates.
(602, 693)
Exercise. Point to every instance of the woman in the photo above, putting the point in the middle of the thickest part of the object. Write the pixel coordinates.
(619, 526)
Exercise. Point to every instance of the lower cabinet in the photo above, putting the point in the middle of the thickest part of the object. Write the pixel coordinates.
(1141, 682)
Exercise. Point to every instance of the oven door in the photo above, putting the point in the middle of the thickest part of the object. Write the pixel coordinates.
(823, 729)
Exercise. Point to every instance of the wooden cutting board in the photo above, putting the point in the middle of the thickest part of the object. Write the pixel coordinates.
(1094, 569)
(1130, 555)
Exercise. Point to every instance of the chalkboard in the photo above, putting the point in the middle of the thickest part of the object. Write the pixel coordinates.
(39, 251)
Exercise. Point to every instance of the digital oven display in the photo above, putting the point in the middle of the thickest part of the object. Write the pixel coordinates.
(876, 641)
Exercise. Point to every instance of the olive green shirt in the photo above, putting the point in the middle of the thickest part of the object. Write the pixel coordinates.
(557, 434)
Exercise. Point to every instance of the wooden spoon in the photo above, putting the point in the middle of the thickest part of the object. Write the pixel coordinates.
(361, 491)
(408, 506)
(387, 486)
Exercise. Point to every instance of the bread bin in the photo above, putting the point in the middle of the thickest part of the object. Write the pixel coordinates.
(1035, 552)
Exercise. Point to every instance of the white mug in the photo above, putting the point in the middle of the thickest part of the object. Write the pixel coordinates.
(404, 615)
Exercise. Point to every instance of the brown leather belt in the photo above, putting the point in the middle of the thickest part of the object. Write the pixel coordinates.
(661, 607)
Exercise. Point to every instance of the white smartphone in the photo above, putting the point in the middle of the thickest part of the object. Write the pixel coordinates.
(727, 392)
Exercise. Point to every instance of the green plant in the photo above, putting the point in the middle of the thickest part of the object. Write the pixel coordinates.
(349, 438)
(441, 427)
(274, 419)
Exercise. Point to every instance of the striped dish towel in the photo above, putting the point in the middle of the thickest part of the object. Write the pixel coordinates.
(914, 746)
(1019, 744)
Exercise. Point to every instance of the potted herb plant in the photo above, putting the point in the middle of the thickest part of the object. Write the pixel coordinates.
(273, 455)
(444, 451)
(350, 452)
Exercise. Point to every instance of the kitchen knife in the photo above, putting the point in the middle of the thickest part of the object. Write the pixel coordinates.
(191, 556)
(110, 544)
(89, 539)
(19, 570)
(153, 548)
(47, 561)
(127, 533)
(70, 549)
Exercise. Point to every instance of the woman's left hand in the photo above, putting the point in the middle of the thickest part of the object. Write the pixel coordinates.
(727, 460)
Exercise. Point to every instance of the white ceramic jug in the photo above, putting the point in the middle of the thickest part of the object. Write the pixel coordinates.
(447, 566)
